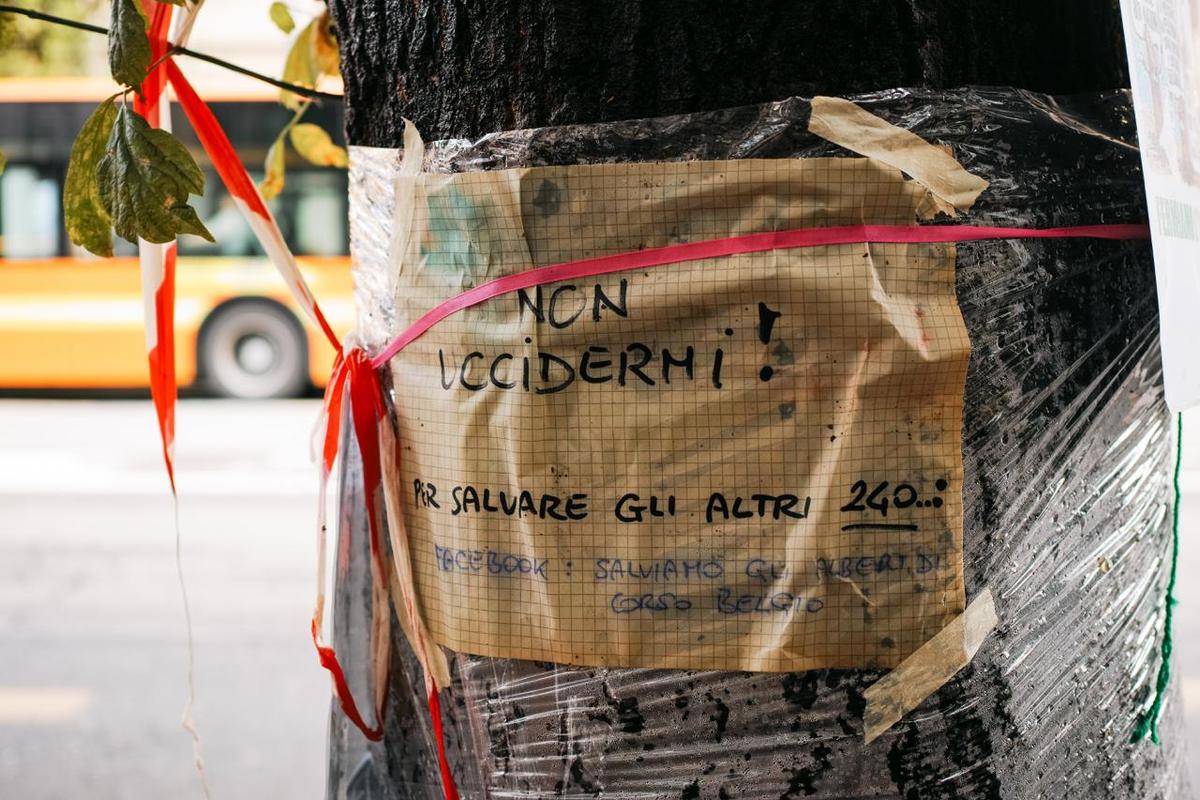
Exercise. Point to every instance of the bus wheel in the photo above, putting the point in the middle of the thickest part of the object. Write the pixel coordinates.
(253, 349)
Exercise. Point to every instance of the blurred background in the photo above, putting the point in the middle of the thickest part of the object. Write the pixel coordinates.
(92, 638)
(93, 659)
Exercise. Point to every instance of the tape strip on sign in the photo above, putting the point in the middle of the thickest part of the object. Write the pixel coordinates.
(929, 668)
(851, 126)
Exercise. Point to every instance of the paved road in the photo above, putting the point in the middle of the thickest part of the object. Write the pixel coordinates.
(92, 657)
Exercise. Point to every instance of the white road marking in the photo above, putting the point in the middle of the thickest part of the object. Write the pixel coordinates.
(27, 312)
(1189, 687)
(43, 705)
(89, 448)
(46, 471)
(1189, 481)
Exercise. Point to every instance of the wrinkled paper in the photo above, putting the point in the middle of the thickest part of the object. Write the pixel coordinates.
(740, 463)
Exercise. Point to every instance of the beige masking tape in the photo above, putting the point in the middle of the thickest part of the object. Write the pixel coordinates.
(856, 129)
(750, 462)
(411, 162)
(401, 587)
(929, 668)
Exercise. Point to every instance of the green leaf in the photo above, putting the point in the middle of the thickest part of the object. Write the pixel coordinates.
(282, 17)
(272, 184)
(128, 44)
(300, 66)
(314, 144)
(145, 178)
(3, 163)
(87, 221)
(174, 2)
(188, 221)
(178, 175)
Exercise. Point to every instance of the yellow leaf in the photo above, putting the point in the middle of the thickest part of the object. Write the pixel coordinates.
(315, 146)
(282, 17)
(87, 222)
(325, 48)
(272, 184)
(300, 66)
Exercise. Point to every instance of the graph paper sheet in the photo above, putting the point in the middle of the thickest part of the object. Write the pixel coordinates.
(741, 463)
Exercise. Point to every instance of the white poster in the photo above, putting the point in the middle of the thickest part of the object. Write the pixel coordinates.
(1162, 37)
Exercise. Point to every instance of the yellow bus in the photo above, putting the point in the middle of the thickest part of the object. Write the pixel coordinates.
(69, 320)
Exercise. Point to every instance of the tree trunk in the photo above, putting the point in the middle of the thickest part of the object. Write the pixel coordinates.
(466, 68)
(1065, 435)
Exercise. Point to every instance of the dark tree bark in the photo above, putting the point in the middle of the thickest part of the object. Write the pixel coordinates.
(461, 68)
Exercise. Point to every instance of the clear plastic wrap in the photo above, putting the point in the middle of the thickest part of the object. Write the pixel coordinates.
(1067, 444)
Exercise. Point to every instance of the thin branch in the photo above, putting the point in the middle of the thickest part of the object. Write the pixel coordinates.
(294, 88)
(303, 91)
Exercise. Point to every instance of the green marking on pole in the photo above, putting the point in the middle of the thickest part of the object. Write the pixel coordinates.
(1149, 720)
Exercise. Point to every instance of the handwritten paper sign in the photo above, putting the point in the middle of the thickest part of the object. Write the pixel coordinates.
(1161, 37)
(749, 462)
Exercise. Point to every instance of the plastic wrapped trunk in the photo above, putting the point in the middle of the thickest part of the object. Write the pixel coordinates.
(1067, 446)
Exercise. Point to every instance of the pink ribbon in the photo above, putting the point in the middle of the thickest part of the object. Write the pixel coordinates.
(734, 245)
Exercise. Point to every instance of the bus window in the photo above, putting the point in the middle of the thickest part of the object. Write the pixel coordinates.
(310, 212)
(228, 226)
(316, 209)
(30, 215)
